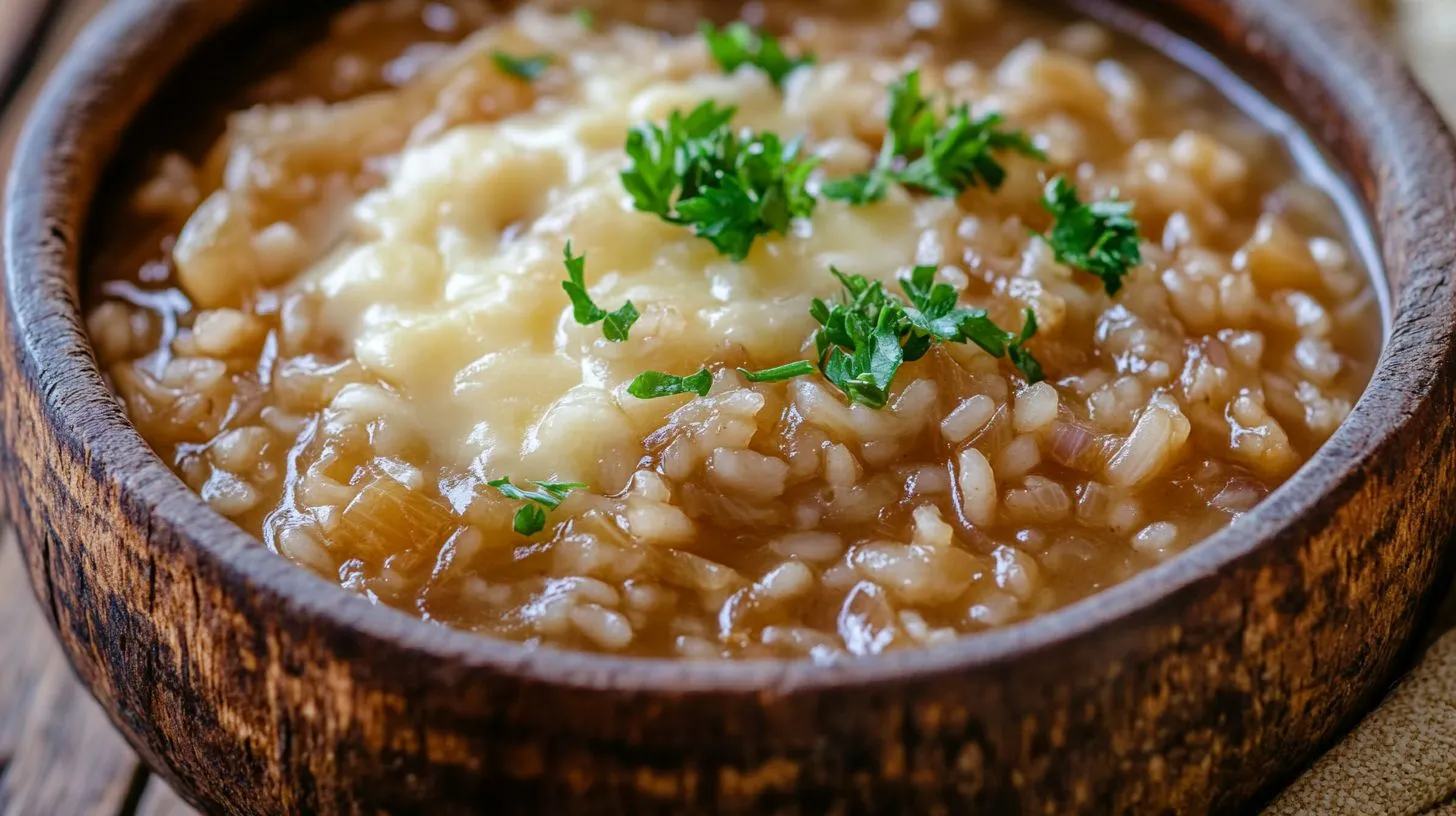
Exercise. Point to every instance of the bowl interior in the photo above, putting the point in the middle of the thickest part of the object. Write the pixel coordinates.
(1221, 55)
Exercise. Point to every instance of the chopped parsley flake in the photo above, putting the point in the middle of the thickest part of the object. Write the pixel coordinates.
(531, 517)
(780, 373)
(931, 155)
(870, 333)
(654, 384)
(527, 68)
(740, 44)
(615, 325)
(730, 188)
(1100, 238)
(1020, 357)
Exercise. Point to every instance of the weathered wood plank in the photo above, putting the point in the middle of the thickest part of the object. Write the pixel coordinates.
(18, 21)
(60, 753)
(160, 800)
(24, 652)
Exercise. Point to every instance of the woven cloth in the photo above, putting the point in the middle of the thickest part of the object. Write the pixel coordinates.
(1400, 760)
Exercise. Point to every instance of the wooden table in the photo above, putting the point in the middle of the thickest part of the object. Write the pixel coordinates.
(59, 755)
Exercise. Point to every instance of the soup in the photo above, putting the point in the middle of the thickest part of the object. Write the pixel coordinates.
(847, 328)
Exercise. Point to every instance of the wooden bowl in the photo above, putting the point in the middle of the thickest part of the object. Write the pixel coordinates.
(256, 687)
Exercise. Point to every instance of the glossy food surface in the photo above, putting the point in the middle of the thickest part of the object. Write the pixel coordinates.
(346, 319)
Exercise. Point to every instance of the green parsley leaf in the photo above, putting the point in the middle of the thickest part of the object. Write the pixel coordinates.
(584, 309)
(870, 333)
(910, 118)
(584, 17)
(531, 518)
(784, 372)
(865, 188)
(664, 160)
(739, 44)
(1022, 358)
(617, 324)
(729, 187)
(527, 68)
(654, 384)
(924, 153)
(960, 155)
(1100, 238)
(546, 494)
(861, 342)
(935, 314)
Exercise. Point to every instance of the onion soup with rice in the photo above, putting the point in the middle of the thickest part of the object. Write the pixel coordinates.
(862, 327)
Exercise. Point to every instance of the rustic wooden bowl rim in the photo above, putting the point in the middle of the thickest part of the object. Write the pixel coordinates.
(1379, 102)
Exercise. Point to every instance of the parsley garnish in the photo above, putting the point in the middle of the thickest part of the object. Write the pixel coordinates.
(615, 325)
(531, 518)
(739, 44)
(937, 157)
(1098, 238)
(780, 373)
(730, 188)
(584, 17)
(527, 68)
(861, 189)
(654, 384)
(867, 336)
(860, 345)
(1020, 357)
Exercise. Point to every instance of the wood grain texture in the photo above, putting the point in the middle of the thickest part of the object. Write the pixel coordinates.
(1424, 31)
(260, 688)
(58, 751)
